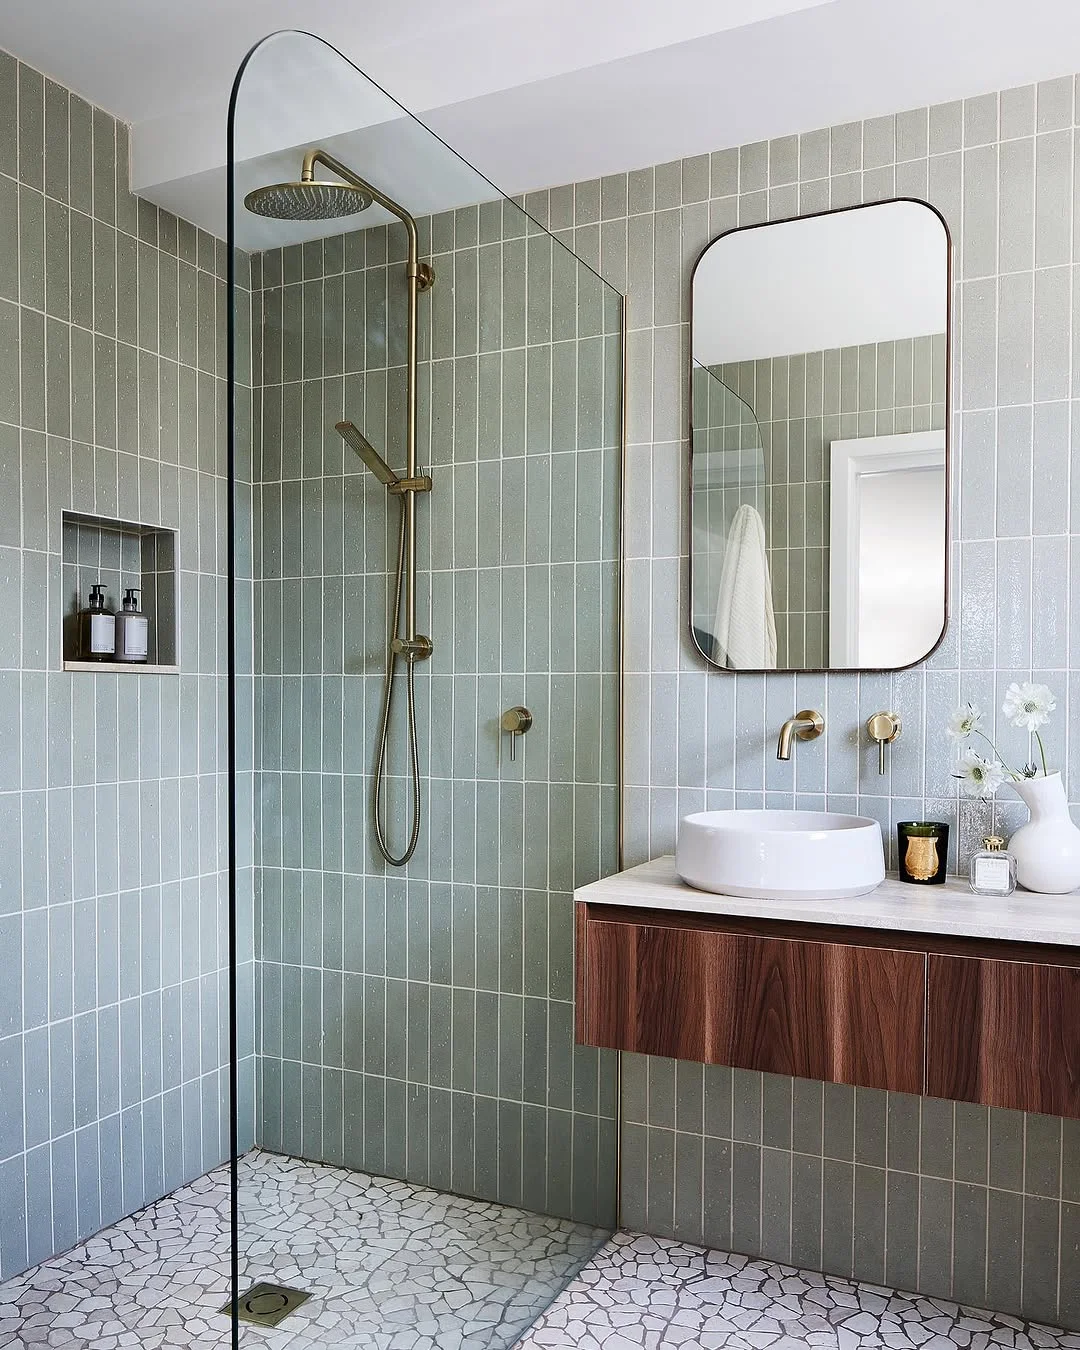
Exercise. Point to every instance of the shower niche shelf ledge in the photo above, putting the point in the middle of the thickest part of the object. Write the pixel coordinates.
(118, 668)
(118, 554)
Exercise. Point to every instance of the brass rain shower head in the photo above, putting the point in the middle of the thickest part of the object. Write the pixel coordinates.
(307, 200)
(356, 440)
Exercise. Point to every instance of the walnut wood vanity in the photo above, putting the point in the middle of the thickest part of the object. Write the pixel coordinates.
(989, 1015)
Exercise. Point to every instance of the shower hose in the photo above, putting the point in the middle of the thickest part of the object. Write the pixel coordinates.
(397, 860)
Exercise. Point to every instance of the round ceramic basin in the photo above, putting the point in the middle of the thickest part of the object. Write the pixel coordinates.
(781, 855)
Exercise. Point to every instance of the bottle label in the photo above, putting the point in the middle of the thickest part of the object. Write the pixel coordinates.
(136, 636)
(102, 628)
(992, 874)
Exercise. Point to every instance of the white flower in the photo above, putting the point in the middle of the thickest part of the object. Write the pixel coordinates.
(979, 777)
(964, 722)
(1028, 705)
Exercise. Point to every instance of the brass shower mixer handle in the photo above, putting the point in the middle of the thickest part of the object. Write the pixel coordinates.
(884, 727)
(515, 722)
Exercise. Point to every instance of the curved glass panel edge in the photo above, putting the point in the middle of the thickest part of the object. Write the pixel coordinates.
(387, 1134)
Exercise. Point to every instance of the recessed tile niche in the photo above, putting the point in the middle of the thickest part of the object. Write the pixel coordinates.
(117, 554)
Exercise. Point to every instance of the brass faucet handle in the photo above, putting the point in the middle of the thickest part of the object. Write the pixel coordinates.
(515, 722)
(884, 727)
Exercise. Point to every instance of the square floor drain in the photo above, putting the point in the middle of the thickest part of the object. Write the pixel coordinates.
(267, 1304)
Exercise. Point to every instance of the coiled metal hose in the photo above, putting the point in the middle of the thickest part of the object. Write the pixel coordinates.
(396, 860)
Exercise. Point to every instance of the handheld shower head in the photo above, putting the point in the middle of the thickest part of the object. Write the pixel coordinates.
(356, 440)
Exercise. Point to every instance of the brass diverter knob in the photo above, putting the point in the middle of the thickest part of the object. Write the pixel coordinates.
(515, 722)
(884, 727)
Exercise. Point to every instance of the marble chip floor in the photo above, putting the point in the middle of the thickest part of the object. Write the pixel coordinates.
(644, 1293)
(389, 1266)
(397, 1267)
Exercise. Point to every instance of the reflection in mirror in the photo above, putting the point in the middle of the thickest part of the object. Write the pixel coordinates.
(729, 499)
(819, 441)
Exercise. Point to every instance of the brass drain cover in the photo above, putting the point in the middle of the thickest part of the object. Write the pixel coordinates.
(266, 1304)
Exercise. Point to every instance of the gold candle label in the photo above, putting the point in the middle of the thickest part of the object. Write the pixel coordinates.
(921, 858)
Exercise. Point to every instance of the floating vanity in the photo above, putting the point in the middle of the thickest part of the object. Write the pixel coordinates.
(925, 990)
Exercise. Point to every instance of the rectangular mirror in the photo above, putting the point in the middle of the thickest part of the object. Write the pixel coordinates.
(819, 441)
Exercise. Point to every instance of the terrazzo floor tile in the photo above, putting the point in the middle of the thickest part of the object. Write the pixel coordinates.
(643, 1293)
(389, 1266)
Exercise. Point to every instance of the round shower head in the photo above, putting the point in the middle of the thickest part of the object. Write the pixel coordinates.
(307, 201)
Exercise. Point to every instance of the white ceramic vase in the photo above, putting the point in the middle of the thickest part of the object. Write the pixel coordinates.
(1047, 848)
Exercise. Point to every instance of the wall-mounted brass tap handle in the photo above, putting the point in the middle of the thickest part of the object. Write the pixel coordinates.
(884, 727)
(515, 722)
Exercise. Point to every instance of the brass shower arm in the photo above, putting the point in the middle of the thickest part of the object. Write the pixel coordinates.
(307, 175)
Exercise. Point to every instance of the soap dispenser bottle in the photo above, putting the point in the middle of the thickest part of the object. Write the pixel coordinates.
(97, 627)
(132, 629)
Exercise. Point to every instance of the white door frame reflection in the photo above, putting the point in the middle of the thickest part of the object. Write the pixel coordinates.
(887, 564)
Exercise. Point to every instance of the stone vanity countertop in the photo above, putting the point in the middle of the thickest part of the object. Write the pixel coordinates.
(951, 909)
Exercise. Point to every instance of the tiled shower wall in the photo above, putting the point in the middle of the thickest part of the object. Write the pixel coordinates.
(418, 1022)
(113, 950)
(980, 1204)
(802, 403)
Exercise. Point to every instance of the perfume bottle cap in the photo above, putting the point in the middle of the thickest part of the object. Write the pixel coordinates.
(993, 843)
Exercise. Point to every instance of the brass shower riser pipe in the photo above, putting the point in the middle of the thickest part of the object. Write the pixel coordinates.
(419, 276)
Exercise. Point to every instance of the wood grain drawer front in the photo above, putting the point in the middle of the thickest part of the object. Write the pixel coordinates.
(837, 1013)
(1004, 1033)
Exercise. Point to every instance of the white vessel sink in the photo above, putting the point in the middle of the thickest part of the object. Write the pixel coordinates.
(781, 855)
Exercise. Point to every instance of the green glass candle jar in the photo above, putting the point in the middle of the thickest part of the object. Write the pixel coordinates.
(922, 847)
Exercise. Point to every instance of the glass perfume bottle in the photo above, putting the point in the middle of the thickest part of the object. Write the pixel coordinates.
(993, 870)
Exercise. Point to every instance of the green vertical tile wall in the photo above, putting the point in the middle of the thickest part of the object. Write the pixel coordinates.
(114, 959)
(443, 991)
(964, 1203)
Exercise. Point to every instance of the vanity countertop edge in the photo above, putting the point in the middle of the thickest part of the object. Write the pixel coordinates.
(950, 910)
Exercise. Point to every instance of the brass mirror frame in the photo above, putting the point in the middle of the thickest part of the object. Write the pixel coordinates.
(688, 596)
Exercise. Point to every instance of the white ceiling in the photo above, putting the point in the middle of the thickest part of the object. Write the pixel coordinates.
(538, 92)
(143, 59)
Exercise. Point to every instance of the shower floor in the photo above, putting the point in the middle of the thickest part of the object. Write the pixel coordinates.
(647, 1292)
(389, 1266)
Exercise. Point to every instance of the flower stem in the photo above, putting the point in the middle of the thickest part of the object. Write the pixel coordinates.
(1042, 751)
(997, 754)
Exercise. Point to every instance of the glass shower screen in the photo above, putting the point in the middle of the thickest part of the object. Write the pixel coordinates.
(420, 1145)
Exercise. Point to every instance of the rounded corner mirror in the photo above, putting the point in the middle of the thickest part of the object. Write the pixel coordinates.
(819, 441)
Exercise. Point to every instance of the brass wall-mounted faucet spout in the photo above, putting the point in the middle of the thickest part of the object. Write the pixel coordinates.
(806, 725)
